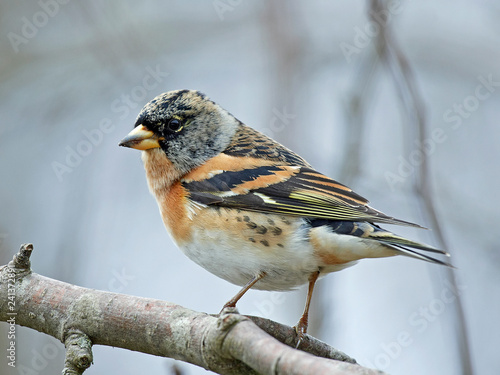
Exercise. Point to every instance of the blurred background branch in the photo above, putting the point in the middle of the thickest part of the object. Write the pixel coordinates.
(415, 125)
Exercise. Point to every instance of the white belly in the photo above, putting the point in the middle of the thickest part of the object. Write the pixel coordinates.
(283, 251)
(238, 262)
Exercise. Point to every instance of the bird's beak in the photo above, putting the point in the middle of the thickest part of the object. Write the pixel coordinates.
(141, 138)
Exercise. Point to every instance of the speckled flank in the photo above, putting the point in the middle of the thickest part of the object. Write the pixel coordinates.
(249, 244)
(267, 231)
(256, 228)
(250, 226)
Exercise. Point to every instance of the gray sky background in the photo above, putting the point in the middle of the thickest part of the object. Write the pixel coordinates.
(75, 75)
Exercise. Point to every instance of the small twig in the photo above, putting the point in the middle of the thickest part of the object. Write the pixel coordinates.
(356, 111)
(404, 81)
(21, 260)
(78, 353)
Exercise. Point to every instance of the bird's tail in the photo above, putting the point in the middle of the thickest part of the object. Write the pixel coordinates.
(406, 247)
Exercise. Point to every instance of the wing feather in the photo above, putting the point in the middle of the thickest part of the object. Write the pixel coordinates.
(291, 190)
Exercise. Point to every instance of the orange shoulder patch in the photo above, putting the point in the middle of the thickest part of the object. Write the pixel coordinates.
(222, 163)
(282, 175)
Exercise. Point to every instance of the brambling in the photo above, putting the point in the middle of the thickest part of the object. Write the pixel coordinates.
(248, 209)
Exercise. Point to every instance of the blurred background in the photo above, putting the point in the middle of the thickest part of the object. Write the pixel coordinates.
(398, 99)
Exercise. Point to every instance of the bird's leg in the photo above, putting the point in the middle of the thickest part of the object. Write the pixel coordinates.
(232, 302)
(301, 327)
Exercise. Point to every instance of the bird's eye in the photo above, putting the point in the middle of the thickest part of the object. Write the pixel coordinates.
(174, 125)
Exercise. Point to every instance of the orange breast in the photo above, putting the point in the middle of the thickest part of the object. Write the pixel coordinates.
(173, 205)
(163, 180)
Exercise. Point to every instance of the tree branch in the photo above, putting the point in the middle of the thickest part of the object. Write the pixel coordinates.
(226, 344)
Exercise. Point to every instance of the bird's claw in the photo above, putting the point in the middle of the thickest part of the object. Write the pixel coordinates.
(301, 330)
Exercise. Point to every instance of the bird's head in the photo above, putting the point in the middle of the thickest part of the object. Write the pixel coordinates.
(186, 125)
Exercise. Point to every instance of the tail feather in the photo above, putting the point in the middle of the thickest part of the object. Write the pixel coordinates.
(417, 255)
(405, 246)
(383, 237)
(393, 239)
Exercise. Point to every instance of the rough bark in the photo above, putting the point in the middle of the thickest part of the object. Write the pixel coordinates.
(226, 344)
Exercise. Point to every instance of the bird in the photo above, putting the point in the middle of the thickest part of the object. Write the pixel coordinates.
(248, 209)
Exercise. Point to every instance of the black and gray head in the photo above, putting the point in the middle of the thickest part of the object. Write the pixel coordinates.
(186, 125)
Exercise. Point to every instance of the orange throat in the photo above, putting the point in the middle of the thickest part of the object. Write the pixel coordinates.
(164, 183)
(160, 171)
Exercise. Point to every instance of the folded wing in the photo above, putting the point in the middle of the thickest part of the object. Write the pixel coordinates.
(290, 190)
